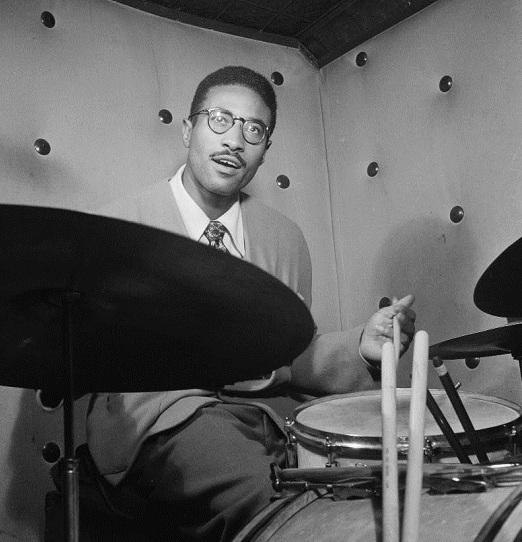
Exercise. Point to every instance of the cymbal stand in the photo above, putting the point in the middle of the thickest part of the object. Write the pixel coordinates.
(70, 471)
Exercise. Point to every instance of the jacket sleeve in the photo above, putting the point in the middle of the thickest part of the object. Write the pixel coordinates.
(331, 364)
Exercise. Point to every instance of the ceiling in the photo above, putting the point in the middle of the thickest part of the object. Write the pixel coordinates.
(322, 30)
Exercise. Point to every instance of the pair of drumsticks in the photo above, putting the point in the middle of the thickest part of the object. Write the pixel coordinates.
(420, 397)
(414, 469)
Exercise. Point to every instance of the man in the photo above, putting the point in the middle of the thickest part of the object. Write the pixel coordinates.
(200, 460)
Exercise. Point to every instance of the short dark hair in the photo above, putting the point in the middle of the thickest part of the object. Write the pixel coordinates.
(237, 75)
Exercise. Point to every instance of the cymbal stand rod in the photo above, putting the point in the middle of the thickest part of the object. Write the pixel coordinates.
(70, 476)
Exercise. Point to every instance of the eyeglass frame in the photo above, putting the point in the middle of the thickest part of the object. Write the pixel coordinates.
(266, 133)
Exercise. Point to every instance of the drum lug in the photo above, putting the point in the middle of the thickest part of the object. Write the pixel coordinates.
(514, 443)
(428, 450)
(402, 446)
(330, 452)
(291, 445)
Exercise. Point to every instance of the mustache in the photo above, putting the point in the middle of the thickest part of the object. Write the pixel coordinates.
(221, 154)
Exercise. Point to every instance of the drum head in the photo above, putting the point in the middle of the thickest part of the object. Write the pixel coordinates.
(354, 420)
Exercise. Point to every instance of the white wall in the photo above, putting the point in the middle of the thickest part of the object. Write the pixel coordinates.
(435, 150)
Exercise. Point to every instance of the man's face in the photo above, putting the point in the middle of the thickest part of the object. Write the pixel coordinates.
(220, 165)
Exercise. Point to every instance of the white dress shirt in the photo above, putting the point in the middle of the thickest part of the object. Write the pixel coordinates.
(196, 221)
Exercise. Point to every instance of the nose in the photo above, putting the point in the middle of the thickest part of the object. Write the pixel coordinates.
(233, 138)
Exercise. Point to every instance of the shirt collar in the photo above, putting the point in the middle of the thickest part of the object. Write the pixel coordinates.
(196, 220)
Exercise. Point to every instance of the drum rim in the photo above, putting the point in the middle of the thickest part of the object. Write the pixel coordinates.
(367, 443)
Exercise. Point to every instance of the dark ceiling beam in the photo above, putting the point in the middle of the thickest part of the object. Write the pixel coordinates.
(195, 20)
(378, 26)
(327, 18)
(342, 28)
(278, 15)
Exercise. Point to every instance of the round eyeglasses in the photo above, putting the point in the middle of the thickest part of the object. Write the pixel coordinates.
(221, 120)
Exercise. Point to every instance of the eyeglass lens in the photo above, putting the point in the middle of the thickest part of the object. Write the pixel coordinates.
(221, 121)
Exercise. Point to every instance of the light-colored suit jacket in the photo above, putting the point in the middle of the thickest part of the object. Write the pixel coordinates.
(118, 423)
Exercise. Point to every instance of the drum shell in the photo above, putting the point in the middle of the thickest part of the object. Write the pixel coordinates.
(309, 517)
(315, 444)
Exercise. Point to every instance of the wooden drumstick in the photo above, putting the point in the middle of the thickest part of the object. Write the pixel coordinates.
(396, 340)
(415, 466)
(458, 406)
(390, 474)
(446, 429)
(387, 302)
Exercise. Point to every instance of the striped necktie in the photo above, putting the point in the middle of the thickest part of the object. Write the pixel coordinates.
(215, 232)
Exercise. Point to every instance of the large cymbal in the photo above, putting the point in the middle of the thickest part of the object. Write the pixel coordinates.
(492, 342)
(499, 289)
(155, 311)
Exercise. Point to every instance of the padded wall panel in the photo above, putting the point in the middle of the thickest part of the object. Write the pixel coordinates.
(92, 86)
(435, 150)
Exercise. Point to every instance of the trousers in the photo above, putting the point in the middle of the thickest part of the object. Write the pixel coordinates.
(205, 480)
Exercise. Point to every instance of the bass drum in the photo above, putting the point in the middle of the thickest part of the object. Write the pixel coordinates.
(492, 516)
(346, 430)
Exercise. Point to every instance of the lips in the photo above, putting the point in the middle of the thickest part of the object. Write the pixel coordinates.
(227, 160)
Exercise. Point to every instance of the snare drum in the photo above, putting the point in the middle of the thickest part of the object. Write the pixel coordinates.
(345, 430)
(492, 516)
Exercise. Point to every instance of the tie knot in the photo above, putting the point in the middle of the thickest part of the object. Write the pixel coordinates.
(215, 232)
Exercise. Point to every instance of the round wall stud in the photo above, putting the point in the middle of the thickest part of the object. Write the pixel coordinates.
(472, 363)
(165, 116)
(277, 78)
(283, 181)
(457, 214)
(361, 59)
(48, 19)
(384, 302)
(445, 83)
(48, 400)
(51, 452)
(42, 147)
(373, 169)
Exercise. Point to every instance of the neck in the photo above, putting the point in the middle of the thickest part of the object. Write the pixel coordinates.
(214, 209)
(213, 205)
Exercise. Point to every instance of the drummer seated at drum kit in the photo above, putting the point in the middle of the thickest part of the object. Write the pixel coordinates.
(198, 458)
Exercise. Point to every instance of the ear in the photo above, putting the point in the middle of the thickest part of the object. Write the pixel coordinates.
(187, 132)
(267, 146)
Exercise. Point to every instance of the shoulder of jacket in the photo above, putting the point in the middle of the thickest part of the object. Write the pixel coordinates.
(272, 220)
